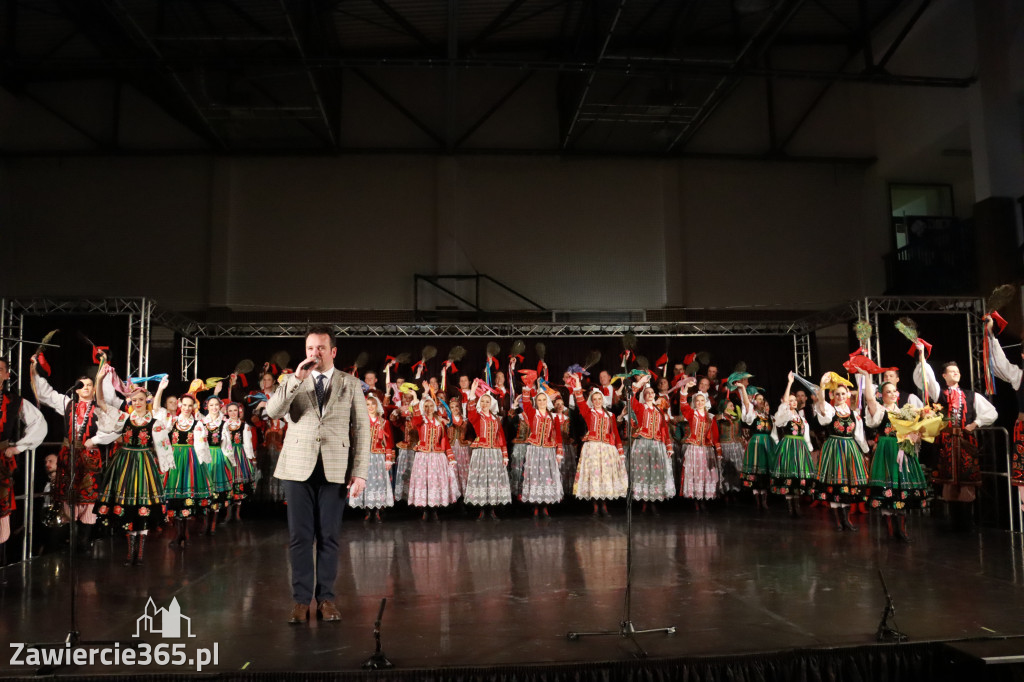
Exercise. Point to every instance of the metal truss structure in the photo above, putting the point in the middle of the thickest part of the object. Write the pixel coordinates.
(631, 77)
(973, 309)
(139, 313)
(142, 313)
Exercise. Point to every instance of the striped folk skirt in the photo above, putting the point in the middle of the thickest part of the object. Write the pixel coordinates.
(894, 485)
(793, 473)
(244, 475)
(841, 477)
(219, 472)
(757, 461)
(186, 486)
(132, 494)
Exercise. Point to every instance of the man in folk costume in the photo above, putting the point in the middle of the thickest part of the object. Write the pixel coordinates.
(611, 396)
(83, 437)
(892, 376)
(16, 415)
(965, 411)
(1011, 374)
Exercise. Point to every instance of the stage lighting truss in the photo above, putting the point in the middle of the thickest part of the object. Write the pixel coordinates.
(143, 313)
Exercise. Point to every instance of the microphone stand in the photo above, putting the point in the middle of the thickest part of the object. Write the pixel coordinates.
(626, 628)
(73, 637)
(887, 632)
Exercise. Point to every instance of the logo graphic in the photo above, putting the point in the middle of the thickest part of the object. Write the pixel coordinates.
(168, 623)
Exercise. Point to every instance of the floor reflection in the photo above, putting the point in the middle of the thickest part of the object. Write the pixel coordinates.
(462, 592)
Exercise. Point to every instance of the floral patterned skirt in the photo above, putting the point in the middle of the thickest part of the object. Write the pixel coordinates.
(841, 477)
(244, 475)
(568, 467)
(756, 461)
(377, 494)
(732, 466)
(219, 473)
(601, 473)
(487, 484)
(432, 481)
(542, 482)
(462, 453)
(186, 486)
(793, 473)
(893, 484)
(403, 469)
(700, 473)
(516, 463)
(131, 497)
(651, 468)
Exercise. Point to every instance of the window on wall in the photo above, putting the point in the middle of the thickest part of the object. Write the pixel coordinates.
(918, 207)
(933, 252)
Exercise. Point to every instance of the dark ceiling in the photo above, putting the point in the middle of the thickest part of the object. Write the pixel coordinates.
(274, 76)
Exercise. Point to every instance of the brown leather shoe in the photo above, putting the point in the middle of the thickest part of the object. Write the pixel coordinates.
(328, 611)
(300, 614)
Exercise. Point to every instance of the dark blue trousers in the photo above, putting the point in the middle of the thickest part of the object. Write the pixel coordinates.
(314, 520)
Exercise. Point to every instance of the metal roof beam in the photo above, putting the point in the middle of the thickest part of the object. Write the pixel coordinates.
(904, 32)
(495, 25)
(402, 109)
(404, 23)
(593, 74)
(328, 125)
(756, 46)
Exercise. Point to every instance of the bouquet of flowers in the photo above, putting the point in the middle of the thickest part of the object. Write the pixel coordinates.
(926, 421)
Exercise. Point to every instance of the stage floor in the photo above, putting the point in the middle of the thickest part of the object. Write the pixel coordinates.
(468, 593)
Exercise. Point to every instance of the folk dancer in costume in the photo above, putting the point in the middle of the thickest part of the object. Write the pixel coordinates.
(218, 469)
(132, 496)
(841, 479)
(406, 447)
(892, 376)
(958, 470)
(517, 455)
(270, 434)
(608, 391)
(459, 440)
(542, 480)
(487, 485)
(187, 485)
(601, 471)
(730, 435)
(793, 470)
(758, 456)
(1011, 374)
(236, 441)
(896, 482)
(82, 436)
(650, 460)
(378, 494)
(432, 479)
(567, 468)
(701, 460)
(17, 416)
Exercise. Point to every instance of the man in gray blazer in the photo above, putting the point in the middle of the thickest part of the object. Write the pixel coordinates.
(329, 435)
